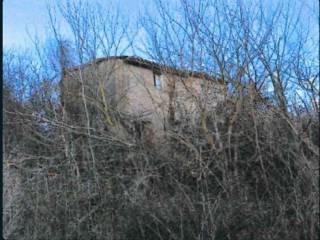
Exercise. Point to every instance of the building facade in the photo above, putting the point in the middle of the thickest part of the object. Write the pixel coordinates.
(135, 88)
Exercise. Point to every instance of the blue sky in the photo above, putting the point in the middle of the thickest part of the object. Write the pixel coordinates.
(22, 15)
(18, 15)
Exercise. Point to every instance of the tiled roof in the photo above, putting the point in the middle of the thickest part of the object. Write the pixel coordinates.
(156, 67)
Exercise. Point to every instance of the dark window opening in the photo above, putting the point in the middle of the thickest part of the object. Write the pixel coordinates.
(157, 81)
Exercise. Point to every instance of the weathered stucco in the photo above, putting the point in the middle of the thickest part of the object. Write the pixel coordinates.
(130, 89)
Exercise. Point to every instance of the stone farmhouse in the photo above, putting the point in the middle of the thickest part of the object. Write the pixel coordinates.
(140, 90)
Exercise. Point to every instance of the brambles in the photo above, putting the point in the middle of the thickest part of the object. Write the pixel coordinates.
(244, 169)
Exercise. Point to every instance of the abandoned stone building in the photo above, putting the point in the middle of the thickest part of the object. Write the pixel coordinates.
(124, 87)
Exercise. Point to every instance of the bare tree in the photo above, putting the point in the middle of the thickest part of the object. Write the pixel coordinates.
(245, 168)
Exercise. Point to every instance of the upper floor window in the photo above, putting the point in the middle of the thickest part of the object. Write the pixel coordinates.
(203, 85)
(157, 81)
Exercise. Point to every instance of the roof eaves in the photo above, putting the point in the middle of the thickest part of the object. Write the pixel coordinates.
(156, 67)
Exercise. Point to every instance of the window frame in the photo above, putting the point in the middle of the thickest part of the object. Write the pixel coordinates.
(157, 84)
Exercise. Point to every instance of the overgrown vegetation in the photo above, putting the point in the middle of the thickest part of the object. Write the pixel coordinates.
(257, 177)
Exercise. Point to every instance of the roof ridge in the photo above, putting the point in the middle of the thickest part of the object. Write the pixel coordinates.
(149, 64)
